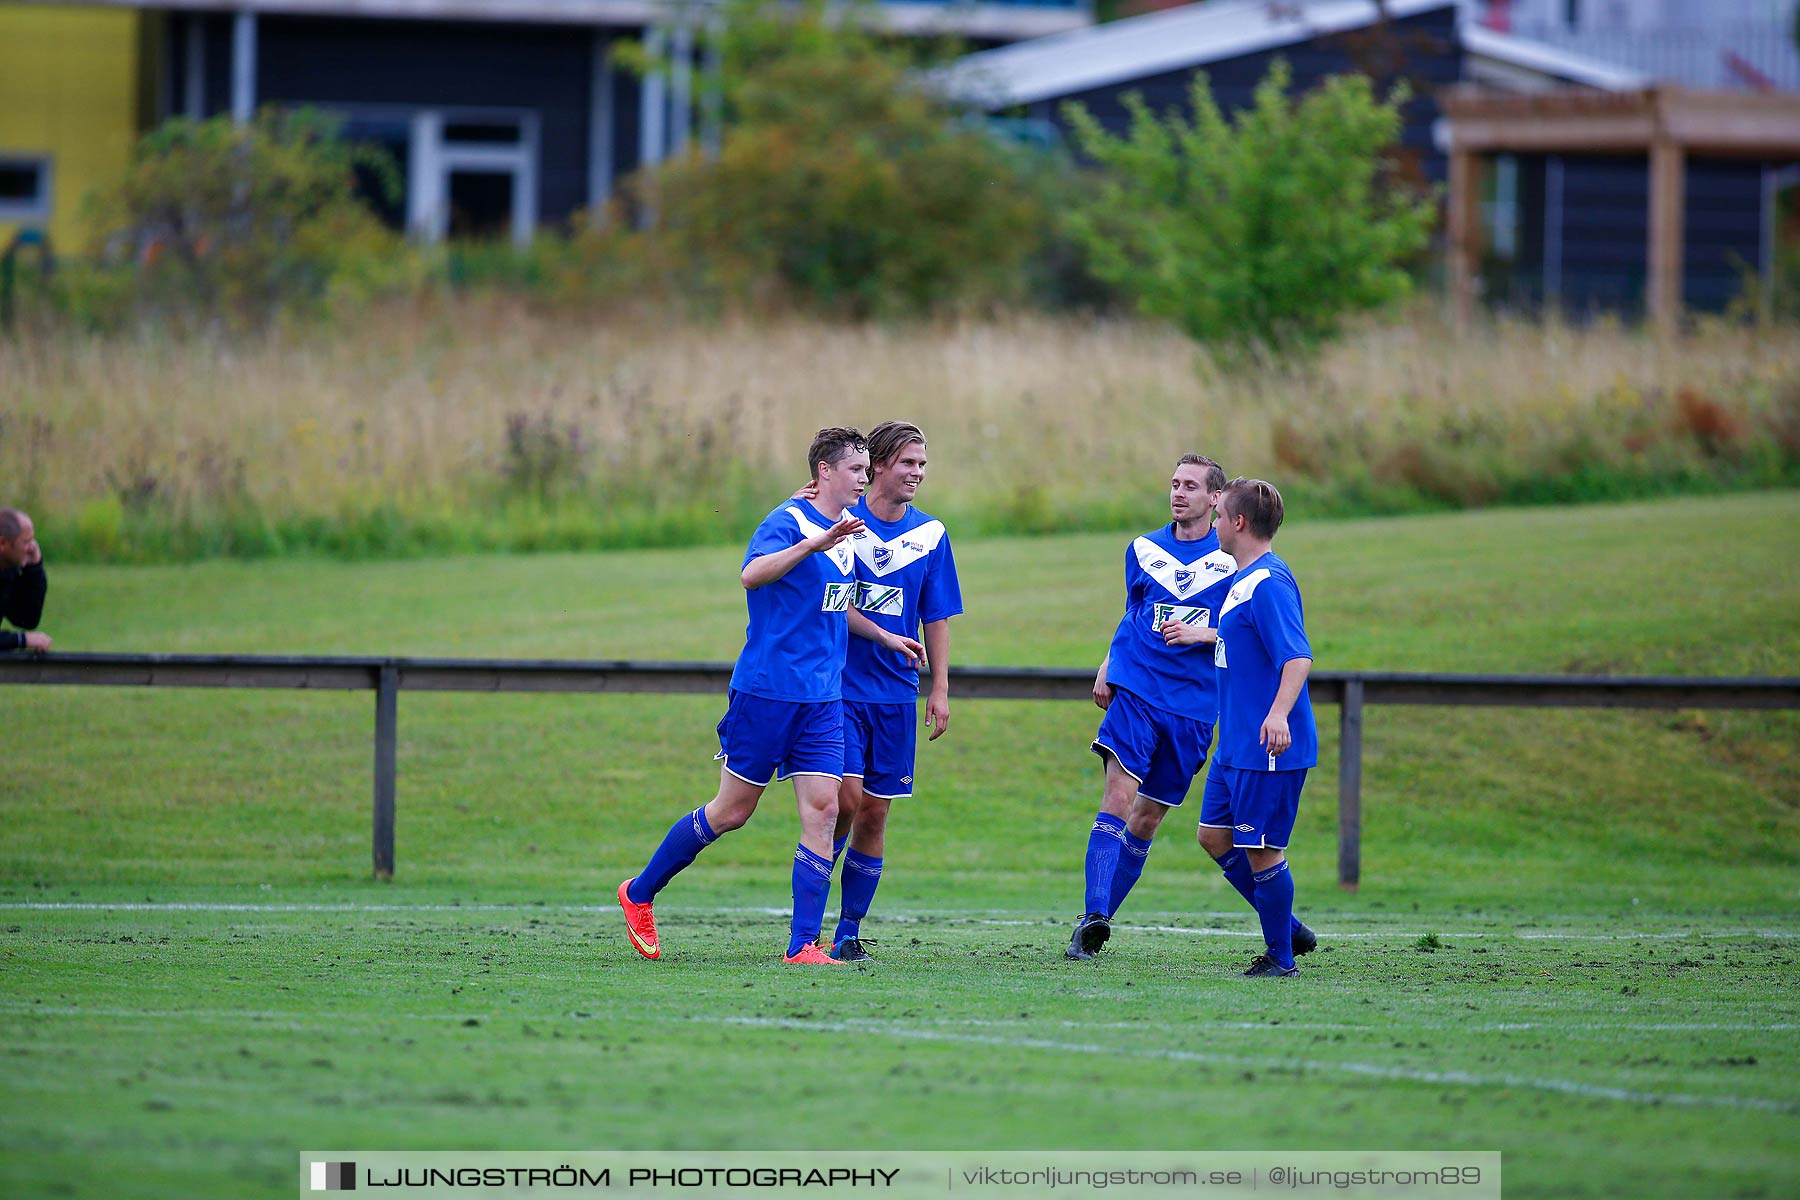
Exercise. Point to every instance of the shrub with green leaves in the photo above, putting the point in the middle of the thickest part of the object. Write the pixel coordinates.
(219, 220)
(1272, 228)
(840, 184)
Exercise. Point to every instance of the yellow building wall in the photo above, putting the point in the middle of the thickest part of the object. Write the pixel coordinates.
(68, 89)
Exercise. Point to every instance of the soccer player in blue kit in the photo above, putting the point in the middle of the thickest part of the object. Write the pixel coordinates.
(785, 709)
(1267, 737)
(905, 580)
(1156, 686)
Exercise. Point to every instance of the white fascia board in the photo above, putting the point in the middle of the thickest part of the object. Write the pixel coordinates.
(1154, 44)
(1549, 60)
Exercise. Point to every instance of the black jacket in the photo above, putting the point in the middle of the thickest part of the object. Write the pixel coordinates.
(22, 592)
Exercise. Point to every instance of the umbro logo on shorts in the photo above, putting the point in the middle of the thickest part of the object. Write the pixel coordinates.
(1246, 829)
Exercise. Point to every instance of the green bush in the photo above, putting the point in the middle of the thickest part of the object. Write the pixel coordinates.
(840, 184)
(219, 221)
(1273, 229)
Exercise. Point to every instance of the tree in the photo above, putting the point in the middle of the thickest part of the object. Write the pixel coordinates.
(841, 183)
(1272, 229)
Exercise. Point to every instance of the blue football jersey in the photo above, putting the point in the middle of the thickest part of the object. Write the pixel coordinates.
(794, 646)
(1262, 628)
(905, 578)
(1167, 577)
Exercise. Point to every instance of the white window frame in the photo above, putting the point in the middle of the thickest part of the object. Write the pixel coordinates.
(43, 205)
(433, 159)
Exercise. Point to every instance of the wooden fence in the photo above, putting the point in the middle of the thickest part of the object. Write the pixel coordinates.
(1351, 691)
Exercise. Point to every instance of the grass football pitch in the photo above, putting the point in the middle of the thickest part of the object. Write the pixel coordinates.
(1575, 940)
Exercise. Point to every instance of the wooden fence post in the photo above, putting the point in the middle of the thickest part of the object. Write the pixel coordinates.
(1350, 728)
(387, 705)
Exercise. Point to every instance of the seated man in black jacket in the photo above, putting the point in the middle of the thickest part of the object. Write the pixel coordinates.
(22, 583)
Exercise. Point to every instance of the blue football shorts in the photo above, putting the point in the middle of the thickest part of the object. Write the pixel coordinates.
(1258, 807)
(1163, 751)
(880, 744)
(762, 740)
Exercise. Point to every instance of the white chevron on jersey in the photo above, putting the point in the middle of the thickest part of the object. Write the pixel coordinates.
(1242, 590)
(1179, 578)
(903, 550)
(840, 553)
(1240, 593)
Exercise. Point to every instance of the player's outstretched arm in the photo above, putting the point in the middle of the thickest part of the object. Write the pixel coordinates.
(1180, 633)
(862, 627)
(767, 568)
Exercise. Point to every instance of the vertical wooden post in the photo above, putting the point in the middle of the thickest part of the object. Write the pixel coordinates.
(1668, 220)
(387, 705)
(1463, 241)
(1350, 727)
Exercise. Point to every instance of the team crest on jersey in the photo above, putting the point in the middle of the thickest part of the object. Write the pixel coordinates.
(838, 596)
(882, 557)
(1183, 581)
(879, 598)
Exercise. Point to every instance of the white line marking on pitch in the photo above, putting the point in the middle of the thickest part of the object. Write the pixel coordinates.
(1370, 1070)
(912, 918)
(20, 1009)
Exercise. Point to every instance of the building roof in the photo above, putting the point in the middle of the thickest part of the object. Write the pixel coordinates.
(1196, 35)
(998, 20)
(1547, 62)
(1172, 40)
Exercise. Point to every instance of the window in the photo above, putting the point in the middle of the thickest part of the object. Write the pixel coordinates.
(24, 188)
(1500, 207)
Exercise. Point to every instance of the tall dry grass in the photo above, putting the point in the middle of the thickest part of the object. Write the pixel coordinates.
(638, 430)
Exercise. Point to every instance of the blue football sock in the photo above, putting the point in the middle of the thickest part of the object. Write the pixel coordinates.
(1275, 905)
(837, 849)
(862, 874)
(1132, 856)
(1236, 866)
(684, 841)
(1104, 842)
(812, 879)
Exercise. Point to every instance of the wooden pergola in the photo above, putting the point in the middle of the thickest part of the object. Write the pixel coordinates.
(1666, 124)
